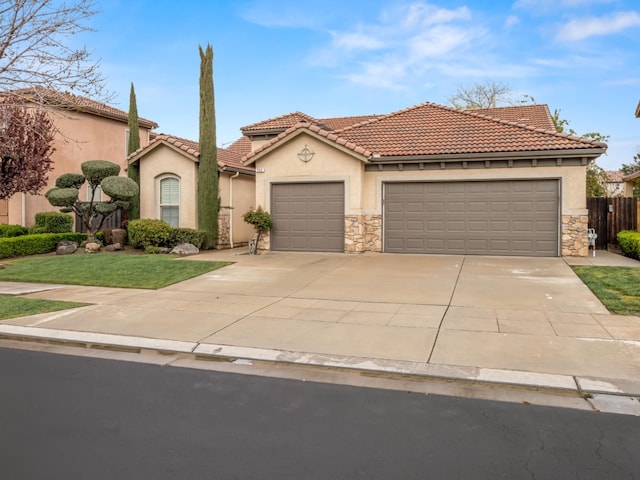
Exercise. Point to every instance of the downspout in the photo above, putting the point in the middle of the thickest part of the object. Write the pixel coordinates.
(231, 208)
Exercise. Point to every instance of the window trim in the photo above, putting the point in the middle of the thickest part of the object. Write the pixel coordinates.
(159, 204)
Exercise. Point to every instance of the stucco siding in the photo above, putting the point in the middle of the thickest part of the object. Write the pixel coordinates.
(327, 165)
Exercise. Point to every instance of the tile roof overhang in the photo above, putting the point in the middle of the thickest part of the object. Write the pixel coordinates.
(631, 176)
(227, 161)
(76, 103)
(315, 131)
(638, 110)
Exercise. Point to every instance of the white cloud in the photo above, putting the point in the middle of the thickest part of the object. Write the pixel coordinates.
(511, 21)
(546, 5)
(423, 14)
(581, 29)
(356, 41)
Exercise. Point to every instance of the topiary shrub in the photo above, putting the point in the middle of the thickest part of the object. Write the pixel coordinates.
(97, 170)
(146, 232)
(120, 188)
(261, 221)
(9, 231)
(52, 222)
(186, 235)
(629, 242)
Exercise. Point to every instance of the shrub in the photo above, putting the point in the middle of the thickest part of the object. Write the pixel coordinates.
(146, 232)
(35, 244)
(152, 250)
(7, 231)
(52, 222)
(629, 242)
(186, 235)
(260, 219)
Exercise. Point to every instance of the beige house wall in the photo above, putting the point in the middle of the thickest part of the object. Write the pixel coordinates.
(82, 137)
(328, 164)
(161, 162)
(237, 195)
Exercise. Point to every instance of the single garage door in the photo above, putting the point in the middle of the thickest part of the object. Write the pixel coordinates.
(307, 217)
(515, 217)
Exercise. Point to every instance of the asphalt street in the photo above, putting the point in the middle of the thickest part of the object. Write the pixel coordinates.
(67, 417)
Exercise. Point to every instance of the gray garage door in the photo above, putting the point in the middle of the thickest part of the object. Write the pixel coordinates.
(518, 217)
(307, 217)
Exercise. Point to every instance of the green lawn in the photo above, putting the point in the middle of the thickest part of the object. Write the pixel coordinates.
(106, 270)
(618, 288)
(12, 307)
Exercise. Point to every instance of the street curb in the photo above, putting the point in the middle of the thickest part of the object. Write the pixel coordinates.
(582, 385)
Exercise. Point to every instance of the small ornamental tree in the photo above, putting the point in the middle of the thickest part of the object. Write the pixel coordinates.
(133, 172)
(97, 173)
(261, 221)
(26, 145)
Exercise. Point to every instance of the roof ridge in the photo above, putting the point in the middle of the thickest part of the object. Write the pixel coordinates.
(297, 112)
(522, 125)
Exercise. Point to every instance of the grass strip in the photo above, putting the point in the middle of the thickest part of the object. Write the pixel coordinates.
(13, 307)
(106, 270)
(618, 288)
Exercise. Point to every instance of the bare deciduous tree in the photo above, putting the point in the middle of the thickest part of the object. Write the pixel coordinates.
(26, 137)
(36, 46)
(482, 95)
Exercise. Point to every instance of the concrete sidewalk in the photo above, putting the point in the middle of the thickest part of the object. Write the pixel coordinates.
(514, 320)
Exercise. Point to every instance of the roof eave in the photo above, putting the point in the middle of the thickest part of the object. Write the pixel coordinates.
(573, 153)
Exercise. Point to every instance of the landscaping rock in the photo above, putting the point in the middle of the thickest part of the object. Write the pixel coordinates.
(165, 250)
(66, 247)
(92, 247)
(185, 249)
(115, 247)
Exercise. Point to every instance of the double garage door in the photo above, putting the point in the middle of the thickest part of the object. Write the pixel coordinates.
(515, 217)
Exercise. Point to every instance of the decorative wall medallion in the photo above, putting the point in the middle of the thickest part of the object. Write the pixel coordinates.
(306, 154)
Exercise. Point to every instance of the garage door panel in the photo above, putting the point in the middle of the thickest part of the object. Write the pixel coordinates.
(308, 217)
(491, 218)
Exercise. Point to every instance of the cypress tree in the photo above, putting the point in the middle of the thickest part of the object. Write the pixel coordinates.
(133, 171)
(208, 199)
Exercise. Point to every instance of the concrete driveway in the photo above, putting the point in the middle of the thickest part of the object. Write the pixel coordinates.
(512, 313)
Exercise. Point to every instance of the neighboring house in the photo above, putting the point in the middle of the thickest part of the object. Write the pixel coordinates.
(169, 187)
(87, 130)
(425, 179)
(615, 184)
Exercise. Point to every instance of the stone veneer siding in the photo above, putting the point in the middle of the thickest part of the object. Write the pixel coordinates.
(574, 236)
(362, 233)
(224, 217)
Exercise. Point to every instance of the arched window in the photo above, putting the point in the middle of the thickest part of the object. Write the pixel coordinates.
(169, 200)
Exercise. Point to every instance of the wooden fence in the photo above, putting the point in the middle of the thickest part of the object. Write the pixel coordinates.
(609, 216)
(113, 220)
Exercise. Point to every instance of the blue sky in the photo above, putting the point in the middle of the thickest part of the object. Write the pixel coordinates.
(356, 57)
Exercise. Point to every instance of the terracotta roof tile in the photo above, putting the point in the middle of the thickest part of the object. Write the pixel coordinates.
(537, 116)
(69, 101)
(337, 123)
(614, 176)
(329, 135)
(226, 158)
(279, 123)
(241, 146)
(430, 129)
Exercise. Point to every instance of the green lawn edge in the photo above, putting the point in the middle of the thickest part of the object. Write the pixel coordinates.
(15, 307)
(618, 288)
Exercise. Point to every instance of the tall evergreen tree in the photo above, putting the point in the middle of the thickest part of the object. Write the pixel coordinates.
(208, 199)
(133, 171)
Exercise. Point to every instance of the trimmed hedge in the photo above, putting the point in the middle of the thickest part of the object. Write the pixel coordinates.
(145, 232)
(186, 235)
(629, 242)
(35, 244)
(8, 231)
(52, 222)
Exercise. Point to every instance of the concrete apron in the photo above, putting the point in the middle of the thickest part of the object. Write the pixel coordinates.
(513, 319)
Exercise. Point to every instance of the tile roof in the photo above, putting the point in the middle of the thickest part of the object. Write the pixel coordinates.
(241, 146)
(69, 101)
(431, 129)
(338, 123)
(537, 116)
(279, 123)
(226, 159)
